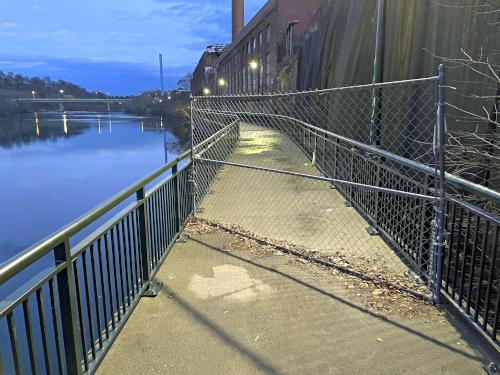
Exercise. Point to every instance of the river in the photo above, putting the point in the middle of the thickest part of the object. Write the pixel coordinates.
(54, 167)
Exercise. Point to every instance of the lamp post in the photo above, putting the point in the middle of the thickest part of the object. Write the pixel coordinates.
(253, 65)
(222, 83)
(33, 93)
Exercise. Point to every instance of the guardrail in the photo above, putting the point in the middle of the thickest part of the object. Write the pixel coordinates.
(67, 319)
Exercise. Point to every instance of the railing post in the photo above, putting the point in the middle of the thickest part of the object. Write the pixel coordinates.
(67, 304)
(440, 205)
(143, 235)
(177, 197)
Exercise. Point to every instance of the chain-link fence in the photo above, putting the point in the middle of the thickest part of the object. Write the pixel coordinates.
(354, 175)
(349, 194)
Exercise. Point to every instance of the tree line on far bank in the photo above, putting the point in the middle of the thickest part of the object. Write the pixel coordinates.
(18, 86)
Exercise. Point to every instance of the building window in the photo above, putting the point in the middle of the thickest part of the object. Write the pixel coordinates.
(249, 48)
(256, 79)
(289, 39)
(245, 80)
(249, 80)
(254, 43)
(261, 76)
(260, 40)
(268, 32)
(268, 71)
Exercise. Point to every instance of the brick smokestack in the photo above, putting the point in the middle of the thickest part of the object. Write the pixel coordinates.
(238, 17)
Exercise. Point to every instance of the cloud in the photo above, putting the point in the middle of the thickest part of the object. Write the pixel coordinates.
(102, 33)
(121, 78)
(16, 64)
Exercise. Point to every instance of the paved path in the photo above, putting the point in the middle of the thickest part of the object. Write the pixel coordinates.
(230, 307)
(249, 313)
(301, 211)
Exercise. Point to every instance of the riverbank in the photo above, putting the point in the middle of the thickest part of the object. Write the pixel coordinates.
(173, 107)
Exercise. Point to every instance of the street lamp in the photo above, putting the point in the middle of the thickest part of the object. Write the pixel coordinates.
(253, 65)
(206, 91)
(33, 93)
(222, 83)
(61, 92)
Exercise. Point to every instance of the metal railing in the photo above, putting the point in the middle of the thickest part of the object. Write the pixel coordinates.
(65, 320)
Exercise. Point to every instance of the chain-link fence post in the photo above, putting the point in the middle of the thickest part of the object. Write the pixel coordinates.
(440, 204)
(192, 179)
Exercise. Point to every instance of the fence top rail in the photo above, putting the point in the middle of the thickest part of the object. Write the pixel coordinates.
(273, 95)
(27, 257)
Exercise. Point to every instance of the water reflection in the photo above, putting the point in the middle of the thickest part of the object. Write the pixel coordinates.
(37, 123)
(16, 130)
(65, 123)
(57, 166)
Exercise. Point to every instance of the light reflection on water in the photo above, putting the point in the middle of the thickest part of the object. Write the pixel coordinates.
(55, 167)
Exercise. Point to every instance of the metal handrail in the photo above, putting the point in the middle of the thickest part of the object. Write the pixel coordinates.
(22, 260)
(111, 267)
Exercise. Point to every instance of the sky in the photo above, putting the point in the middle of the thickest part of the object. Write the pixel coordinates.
(112, 45)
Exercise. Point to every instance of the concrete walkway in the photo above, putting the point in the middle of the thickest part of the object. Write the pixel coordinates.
(231, 306)
(247, 312)
(300, 211)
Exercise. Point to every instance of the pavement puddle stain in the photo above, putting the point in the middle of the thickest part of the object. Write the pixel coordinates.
(229, 282)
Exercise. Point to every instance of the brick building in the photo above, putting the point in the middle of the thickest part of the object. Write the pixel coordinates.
(205, 74)
(262, 55)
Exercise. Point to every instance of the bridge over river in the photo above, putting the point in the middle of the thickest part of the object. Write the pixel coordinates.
(61, 101)
(284, 241)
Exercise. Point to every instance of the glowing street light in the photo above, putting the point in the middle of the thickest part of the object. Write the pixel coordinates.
(206, 91)
(33, 93)
(253, 65)
(222, 82)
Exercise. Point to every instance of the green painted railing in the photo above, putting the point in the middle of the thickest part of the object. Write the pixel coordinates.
(65, 319)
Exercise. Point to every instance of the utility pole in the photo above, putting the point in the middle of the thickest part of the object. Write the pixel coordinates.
(162, 88)
(378, 75)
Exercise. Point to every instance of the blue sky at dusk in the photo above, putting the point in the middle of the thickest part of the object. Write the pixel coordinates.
(112, 45)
